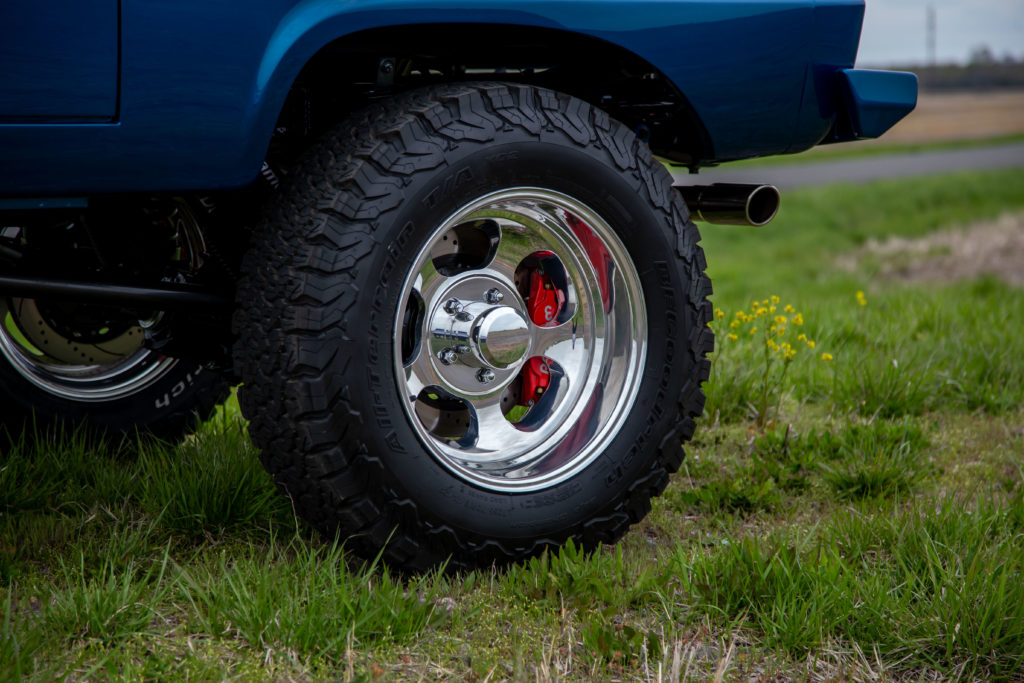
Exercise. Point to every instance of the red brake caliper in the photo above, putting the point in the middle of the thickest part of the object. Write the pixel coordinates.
(544, 304)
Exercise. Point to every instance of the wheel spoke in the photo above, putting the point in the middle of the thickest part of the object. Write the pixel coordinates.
(565, 346)
(420, 373)
(557, 341)
(428, 282)
(495, 433)
(522, 234)
(514, 246)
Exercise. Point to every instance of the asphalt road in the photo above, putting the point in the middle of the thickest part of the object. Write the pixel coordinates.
(862, 170)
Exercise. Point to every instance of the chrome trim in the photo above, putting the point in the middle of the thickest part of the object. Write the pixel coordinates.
(595, 347)
(731, 204)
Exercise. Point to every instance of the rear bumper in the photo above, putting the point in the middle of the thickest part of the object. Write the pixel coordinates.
(872, 102)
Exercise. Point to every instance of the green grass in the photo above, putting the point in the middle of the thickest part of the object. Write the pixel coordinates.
(936, 588)
(871, 526)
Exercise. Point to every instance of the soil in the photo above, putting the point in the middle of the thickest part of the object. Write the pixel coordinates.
(994, 248)
(990, 247)
(944, 117)
(961, 116)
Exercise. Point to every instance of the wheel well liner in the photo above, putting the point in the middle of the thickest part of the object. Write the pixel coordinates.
(342, 76)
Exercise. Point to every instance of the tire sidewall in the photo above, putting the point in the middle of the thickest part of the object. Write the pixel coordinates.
(163, 408)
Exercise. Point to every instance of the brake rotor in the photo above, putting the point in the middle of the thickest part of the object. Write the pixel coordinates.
(104, 342)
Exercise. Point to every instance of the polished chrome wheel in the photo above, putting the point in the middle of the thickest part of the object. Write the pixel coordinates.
(96, 360)
(520, 341)
(90, 353)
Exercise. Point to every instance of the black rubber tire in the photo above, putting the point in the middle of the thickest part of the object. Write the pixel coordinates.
(169, 409)
(317, 302)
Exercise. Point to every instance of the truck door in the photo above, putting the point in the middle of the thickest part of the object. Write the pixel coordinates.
(58, 61)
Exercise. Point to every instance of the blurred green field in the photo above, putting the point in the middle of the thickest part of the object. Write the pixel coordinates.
(851, 511)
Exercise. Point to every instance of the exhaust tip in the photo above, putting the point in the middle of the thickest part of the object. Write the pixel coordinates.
(762, 204)
(731, 204)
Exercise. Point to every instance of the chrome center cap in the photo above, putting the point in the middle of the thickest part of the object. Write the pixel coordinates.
(501, 337)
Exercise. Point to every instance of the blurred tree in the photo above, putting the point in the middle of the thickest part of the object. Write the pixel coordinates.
(981, 55)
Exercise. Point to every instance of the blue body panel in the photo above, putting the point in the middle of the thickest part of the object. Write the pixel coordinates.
(200, 84)
(876, 100)
(58, 64)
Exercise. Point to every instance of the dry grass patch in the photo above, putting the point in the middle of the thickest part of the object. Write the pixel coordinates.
(961, 115)
(994, 248)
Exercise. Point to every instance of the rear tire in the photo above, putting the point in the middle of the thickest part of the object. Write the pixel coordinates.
(362, 381)
(71, 364)
(168, 405)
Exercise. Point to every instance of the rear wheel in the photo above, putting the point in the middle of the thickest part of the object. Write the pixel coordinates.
(71, 363)
(476, 326)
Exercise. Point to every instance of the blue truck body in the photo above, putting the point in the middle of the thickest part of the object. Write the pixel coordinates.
(131, 96)
(434, 242)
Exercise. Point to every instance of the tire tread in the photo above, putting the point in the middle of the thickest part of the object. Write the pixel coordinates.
(300, 280)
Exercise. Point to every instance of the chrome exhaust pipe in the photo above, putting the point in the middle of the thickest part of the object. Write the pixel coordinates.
(731, 204)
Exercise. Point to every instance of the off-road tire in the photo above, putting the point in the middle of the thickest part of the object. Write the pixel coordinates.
(317, 307)
(169, 409)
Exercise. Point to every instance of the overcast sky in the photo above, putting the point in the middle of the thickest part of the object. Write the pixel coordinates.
(894, 30)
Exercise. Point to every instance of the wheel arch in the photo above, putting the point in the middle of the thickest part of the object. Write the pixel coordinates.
(319, 49)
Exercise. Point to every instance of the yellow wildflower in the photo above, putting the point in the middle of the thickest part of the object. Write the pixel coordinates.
(775, 299)
(780, 320)
(733, 337)
(801, 337)
(789, 309)
(771, 309)
(719, 314)
(782, 330)
(810, 343)
(753, 330)
(762, 312)
(772, 345)
(798, 319)
(826, 356)
(860, 299)
(734, 324)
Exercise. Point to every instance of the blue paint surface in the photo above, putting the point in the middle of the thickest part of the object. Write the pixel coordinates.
(185, 94)
(877, 99)
(58, 63)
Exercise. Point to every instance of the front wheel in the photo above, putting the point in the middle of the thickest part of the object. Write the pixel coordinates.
(475, 327)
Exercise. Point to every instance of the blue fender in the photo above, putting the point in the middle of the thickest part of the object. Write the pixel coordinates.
(742, 65)
(201, 84)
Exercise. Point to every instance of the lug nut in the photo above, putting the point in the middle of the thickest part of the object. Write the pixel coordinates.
(484, 376)
(447, 356)
(453, 306)
(493, 296)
